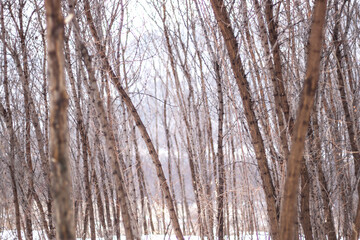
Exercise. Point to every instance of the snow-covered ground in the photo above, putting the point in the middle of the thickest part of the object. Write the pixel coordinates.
(11, 235)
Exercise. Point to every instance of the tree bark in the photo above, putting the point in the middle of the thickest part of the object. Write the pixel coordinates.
(221, 165)
(288, 213)
(59, 151)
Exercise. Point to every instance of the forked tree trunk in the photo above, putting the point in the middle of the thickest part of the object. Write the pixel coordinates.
(59, 151)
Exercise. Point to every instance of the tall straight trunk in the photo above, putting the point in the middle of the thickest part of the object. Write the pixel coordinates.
(232, 46)
(288, 213)
(216, 67)
(198, 157)
(127, 163)
(59, 151)
(265, 121)
(221, 165)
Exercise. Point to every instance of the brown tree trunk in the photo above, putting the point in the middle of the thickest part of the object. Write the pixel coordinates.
(288, 213)
(59, 152)
(221, 165)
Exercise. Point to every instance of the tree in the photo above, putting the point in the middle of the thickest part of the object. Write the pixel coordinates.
(59, 148)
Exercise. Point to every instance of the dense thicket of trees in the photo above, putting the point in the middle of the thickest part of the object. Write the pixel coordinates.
(209, 118)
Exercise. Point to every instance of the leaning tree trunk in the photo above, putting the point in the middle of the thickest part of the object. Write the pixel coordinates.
(232, 46)
(142, 129)
(59, 154)
(288, 213)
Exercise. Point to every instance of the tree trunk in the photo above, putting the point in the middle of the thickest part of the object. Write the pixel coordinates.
(59, 152)
(221, 165)
(288, 212)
